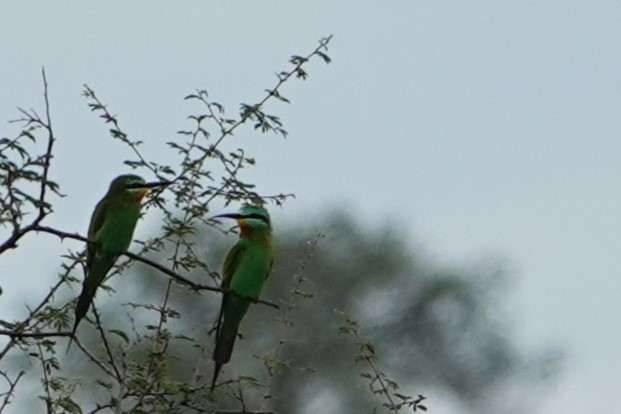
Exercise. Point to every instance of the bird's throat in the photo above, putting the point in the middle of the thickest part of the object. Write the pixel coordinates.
(140, 194)
(245, 230)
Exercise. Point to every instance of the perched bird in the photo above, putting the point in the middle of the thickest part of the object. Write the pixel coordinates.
(246, 267)
(111, 230)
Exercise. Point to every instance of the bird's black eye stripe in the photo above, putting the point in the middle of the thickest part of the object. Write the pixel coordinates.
(257, 217)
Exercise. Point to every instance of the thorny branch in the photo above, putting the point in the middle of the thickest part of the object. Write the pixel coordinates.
(104, 340)
(46, 381)
(48, 153)
(110, 373)
(163, 269)
(19, 328)
(6, 395)
(32, 121)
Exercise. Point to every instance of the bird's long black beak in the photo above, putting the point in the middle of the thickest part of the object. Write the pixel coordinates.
(228, 215)
(149, 185)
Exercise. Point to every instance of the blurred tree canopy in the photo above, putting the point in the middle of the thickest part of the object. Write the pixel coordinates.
(433, 327)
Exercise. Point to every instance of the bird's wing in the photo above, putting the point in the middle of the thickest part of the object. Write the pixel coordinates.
(269, 271)
(230, 264)
(97, 221)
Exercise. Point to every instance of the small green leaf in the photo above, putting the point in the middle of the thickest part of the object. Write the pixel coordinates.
(122, 334)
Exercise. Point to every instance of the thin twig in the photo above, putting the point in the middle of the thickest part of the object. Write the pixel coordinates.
(116, 132)
(275, 91)
(48, 154)
(43, 207)
(93, 359)
(12, 384)
(26, 322)
(46, 381)
(154, 354)
(99, 408)
(99, 327)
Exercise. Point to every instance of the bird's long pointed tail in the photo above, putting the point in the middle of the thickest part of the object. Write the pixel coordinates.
(216, 371)
(84, 301)
(75, 326)
(224, 348)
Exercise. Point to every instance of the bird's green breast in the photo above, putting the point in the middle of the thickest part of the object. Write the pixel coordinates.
(252, 269)
(117, 230)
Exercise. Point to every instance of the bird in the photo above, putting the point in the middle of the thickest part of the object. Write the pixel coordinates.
(245, 270)
(110, 232)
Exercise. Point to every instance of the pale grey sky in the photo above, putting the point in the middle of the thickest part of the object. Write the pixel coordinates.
(486, 127)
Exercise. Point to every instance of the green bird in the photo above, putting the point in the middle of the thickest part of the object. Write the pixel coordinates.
(111, 229)
(246, 267)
